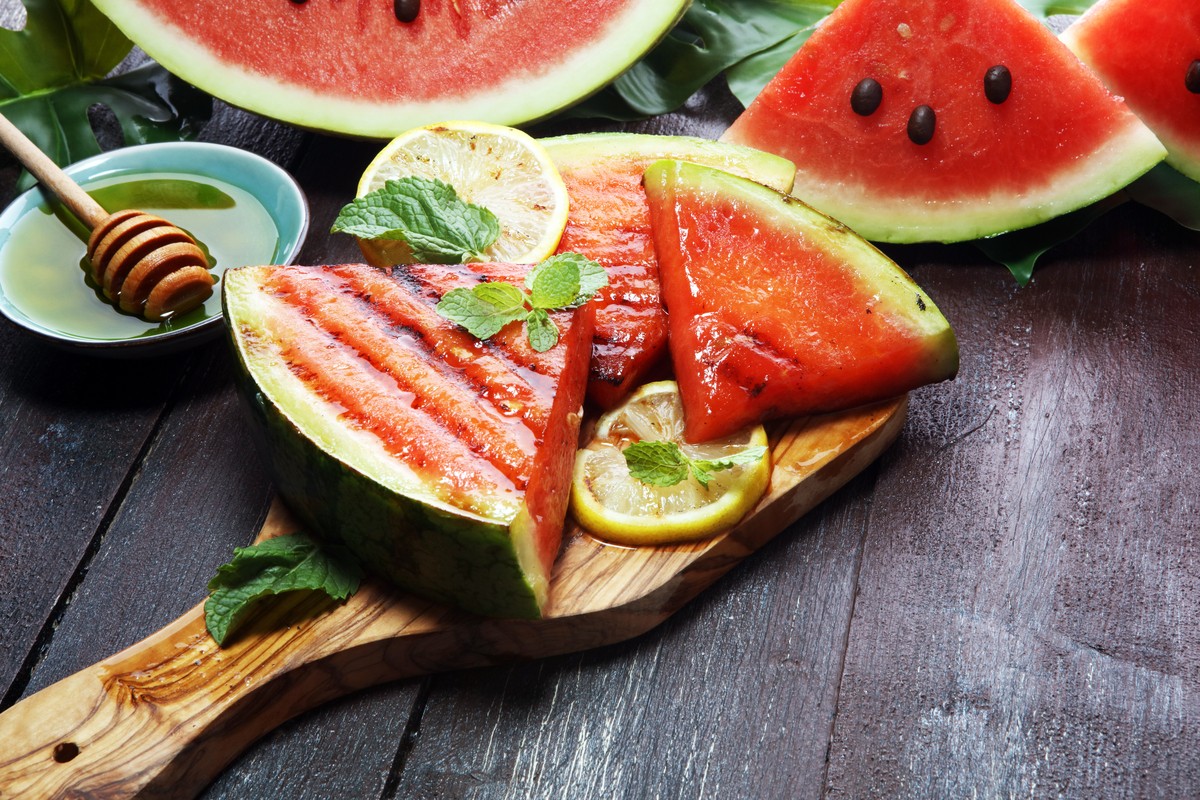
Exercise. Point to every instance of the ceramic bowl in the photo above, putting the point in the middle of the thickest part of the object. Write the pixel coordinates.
(59, 304)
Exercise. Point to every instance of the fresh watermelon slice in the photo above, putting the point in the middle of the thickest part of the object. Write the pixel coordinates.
(609, 222)
(1144, 51)
(1057, 141)
(442, 461)
(356, 68)
(776, 310)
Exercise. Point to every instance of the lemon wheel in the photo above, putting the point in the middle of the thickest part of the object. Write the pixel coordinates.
(502, 169)
(608, 501)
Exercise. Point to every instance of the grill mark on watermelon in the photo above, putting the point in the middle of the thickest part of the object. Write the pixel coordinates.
(509, 386)
(373, 404)
(437, 390)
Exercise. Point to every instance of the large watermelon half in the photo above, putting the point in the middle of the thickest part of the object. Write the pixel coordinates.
(609, 222)
(776, 310)
(353, 67)
(886, 112)
(442, 461)
(1149, 52)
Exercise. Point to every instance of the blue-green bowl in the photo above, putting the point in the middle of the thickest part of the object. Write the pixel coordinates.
(65, 309)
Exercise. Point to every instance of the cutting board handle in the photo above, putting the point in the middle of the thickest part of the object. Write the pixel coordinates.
(162, 718)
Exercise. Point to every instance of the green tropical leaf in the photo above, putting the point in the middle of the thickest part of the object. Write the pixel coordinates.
(54, 70)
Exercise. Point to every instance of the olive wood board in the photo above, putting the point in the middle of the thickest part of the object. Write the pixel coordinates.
(162, 718)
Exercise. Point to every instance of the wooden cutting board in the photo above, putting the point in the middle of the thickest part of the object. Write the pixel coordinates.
(162, 718)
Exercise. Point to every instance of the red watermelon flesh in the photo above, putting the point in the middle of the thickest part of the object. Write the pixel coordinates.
(1143, 51)
(439, 456)
(1059, 141)
(609, 222)
(776, 310)
(356, 68)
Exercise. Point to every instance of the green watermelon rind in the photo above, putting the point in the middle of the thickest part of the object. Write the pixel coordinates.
(1125, 156)
(581, 151)
(339, 486)
(521, 100)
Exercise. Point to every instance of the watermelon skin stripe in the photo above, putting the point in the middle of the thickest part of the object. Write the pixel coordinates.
(351, 68)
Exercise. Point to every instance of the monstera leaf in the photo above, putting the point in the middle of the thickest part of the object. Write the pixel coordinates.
(54, 70)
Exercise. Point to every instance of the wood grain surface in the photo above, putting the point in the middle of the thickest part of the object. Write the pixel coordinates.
(162, 718)
(1004, 605)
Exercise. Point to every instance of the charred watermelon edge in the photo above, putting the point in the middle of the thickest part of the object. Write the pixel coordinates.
(484, 565)
(520, 101)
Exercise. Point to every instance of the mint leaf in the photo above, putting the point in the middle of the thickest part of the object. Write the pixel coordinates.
(703, 468)
(571, 269)
(665, 464)
(563, 281)
(543, 333)
(283, 564)
(472, 309)
(553, 284)
(657, 463)
(427, 215)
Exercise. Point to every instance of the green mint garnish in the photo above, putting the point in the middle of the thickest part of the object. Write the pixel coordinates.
(426, 214)
(567, 280)
(665, 463)
(274, 566)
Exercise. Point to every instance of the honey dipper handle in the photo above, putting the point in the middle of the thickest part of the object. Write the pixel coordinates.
(49, 174)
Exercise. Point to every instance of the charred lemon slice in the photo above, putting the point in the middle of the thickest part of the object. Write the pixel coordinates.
(610, 502)
(502, 169)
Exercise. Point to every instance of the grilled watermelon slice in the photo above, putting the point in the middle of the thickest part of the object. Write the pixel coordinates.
(1057, 141)
(356, 68)
(442, 461)
(776, 310)
(609, 222)
(1144, 52)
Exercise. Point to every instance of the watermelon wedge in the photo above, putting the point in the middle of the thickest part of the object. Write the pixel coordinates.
(442, 461)
(776, 310)
(609, 223)
(1149, 52)
(897, 130)
(359, 69)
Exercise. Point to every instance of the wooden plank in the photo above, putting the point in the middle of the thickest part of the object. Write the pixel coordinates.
(1027, 622)
(72, 431)
(733, 697)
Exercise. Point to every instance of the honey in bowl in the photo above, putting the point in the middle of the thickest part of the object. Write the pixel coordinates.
(45, 274)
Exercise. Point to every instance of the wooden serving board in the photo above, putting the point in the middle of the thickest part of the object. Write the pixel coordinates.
(162, 718)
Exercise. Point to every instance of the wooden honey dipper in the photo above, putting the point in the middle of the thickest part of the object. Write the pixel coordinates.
(143, 263)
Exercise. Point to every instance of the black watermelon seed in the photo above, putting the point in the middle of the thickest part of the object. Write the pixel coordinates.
(299, 2)
(866, 97)
(406, 10)
(997, 84)
(921, 124)
(1192, 79)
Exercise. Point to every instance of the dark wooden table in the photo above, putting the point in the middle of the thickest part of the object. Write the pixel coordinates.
(1004, 605)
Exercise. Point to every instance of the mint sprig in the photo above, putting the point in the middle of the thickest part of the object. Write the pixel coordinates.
(665, 464)
(427, 215)
(563, 281)
(274, 566)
